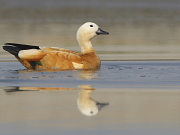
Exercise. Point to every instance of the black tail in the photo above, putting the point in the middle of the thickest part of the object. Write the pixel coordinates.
(14, 48)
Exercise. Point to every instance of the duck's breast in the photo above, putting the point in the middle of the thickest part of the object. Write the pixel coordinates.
(91, 61)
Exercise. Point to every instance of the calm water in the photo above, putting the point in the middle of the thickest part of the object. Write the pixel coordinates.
(136, 91)
(129, 97)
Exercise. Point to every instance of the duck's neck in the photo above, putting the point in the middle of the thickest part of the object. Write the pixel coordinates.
(86, 46)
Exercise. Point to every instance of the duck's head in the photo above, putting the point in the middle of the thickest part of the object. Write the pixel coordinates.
(89, 30)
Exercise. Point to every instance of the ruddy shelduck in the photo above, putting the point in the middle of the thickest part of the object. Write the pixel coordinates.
(35, 57)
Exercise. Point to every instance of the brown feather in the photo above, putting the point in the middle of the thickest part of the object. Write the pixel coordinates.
(57, 58)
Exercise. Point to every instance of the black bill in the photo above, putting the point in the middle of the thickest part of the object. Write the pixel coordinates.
(100, 31)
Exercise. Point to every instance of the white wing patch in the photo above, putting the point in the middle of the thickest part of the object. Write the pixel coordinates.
(31, 54)
(77, 65)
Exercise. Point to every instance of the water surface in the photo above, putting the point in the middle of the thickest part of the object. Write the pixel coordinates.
(138, 94)
(126, 97)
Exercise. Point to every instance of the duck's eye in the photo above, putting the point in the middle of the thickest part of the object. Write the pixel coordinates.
(91, 25)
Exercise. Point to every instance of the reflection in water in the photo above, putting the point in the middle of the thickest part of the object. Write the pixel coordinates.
(85, 103)
(16, 89)
(88, 74)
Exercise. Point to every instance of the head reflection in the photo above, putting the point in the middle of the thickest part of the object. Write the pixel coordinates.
(86, 104)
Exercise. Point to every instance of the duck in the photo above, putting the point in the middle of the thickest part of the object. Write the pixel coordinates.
(35, 57)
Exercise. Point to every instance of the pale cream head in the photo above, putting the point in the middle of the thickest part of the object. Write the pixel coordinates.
(85, 33)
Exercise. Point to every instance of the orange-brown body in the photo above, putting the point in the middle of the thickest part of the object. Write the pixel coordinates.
(56, 58)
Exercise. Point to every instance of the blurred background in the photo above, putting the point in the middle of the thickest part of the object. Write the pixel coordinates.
(139, 29)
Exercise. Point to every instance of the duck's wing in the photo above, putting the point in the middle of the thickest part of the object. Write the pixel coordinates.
(61, 58)
(63, 54)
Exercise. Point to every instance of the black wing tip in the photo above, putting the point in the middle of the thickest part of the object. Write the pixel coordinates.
(16, 44)
(9, 43)
(12, 49)
(23, 46)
